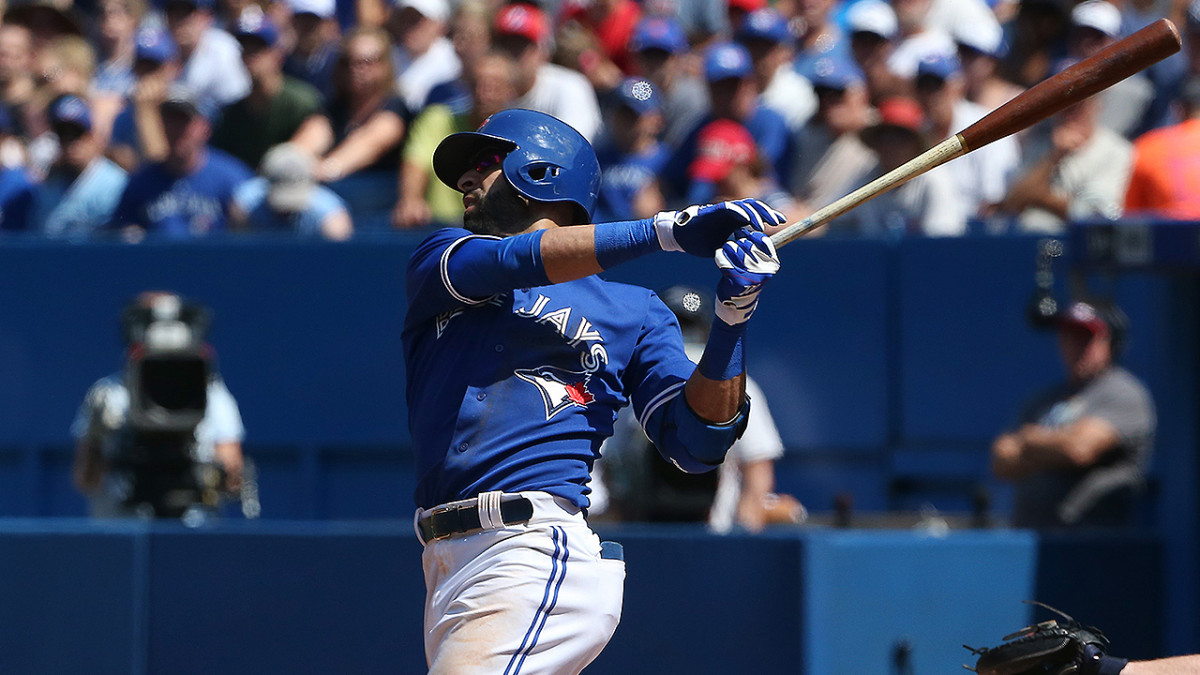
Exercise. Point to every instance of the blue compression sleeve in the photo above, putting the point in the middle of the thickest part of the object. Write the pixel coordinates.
(724, 354)
(625, 240)
(485, 266)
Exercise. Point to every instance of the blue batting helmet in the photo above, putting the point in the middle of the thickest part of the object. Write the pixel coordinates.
(547, 160)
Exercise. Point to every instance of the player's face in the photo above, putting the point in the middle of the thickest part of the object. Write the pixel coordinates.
(491, 204)
(1084, 353)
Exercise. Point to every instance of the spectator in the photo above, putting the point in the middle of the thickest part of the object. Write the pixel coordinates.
(471, 34)
(632, 482)
(767, 36)
(65, 66)
(732, 95)
(285, 197)
(983, 176)
(189, 193)
(611, 23)
(314, 53)
(1039, 34)
(116, 46)
(278, 106)
(210, 57)
(359, 144)
(423, 56)
(1075, 168)
(918, 38)
(16, 74)
(1078, 453)
(423, 199)
(1162, 183)
(727, 158)
(818, 35)
(82, 188)
(631, 155)
(112, 467)
(980, 50)
(137, 133)
(16, 189)
(1095, 24)
(872, 26)
(930, 204)
(659, 47)
(524, 32)
(830, 159)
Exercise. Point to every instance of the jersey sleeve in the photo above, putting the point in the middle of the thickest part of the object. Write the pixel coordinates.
(659, 368)
(453, 268)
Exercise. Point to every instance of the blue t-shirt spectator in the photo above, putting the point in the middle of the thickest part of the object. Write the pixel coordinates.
(622, 177)
(76, 206)
(193, 205)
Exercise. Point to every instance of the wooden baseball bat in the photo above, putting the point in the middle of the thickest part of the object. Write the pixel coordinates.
(1099, 71)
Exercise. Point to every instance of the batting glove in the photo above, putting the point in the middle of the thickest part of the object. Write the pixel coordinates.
(747, 261)
(700, 230)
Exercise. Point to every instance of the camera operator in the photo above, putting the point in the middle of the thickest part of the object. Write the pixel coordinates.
(164, 437)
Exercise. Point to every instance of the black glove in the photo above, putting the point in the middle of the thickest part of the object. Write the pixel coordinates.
(1049, 648)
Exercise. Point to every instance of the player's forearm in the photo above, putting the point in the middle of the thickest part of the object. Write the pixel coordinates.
(715, 401)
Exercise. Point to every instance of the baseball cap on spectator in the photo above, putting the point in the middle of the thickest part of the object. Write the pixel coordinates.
(290, 181)
(1193, 16)
(897, 113)
(832, 72)
(939, 66)
(726, 60)
(324, 9)
(437, 10)
(154, 44)
(658, 32)
(182, 98)
(522, 20)
(254, 25)
(765, 24)
(721, 145)
(193, 4)
(639, 96)
(985, 37)
(1097, 15)
(872, 16)
(70, 110)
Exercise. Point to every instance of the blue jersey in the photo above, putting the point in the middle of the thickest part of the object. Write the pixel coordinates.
(197, 204)
(622, 177)
(517, 391)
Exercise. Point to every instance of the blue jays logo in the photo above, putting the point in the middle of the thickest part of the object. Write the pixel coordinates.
(561, 389)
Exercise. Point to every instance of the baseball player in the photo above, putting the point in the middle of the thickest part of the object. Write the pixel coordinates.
(518, 359)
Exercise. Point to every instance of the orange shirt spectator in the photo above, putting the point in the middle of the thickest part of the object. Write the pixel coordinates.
(1166, 172)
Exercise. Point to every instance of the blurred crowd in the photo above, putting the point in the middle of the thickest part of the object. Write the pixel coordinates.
(186, 118)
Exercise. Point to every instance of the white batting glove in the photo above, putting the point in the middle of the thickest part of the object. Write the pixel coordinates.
(700, 230)
(747, 261)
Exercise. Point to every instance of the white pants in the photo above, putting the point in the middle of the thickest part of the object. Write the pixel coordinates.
(522, 599)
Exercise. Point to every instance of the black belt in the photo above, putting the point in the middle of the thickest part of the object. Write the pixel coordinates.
(463, 517)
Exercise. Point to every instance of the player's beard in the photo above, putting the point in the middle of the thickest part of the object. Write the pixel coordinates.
(501, 211)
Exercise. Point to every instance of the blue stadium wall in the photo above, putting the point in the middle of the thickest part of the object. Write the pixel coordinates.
(889, 366)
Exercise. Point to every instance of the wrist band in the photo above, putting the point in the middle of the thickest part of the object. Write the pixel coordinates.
(724, 353)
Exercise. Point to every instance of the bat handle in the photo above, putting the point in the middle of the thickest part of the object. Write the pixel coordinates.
(936, 156)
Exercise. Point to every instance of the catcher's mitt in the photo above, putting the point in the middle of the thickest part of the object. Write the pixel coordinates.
(1048, 648)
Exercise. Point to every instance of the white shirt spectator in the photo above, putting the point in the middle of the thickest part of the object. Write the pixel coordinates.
(415, 77)
(215, 70)
(567, 95)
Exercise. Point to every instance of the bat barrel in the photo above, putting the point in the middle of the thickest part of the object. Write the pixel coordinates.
(1091, 75)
